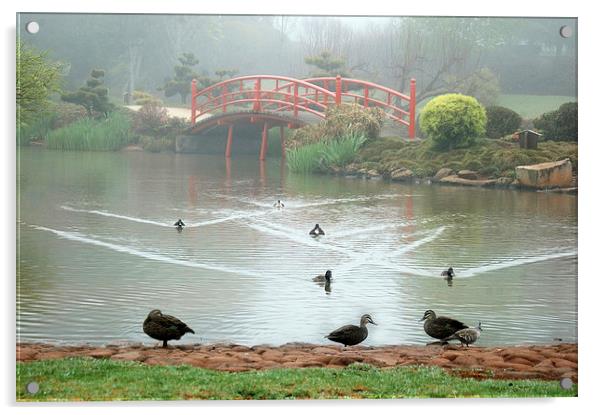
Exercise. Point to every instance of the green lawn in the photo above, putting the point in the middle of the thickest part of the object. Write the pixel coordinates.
(88, 379)
(530, 106)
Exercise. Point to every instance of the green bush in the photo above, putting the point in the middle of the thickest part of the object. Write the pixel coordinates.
(501, 121)
(559, 125)
(453, 120)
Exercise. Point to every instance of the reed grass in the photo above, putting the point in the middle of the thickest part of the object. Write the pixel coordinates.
(342, 151)
(324, 154)
(38, 129)
(306, 159)
(89, 134)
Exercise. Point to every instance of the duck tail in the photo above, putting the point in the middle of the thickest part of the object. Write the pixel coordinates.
(189, 330)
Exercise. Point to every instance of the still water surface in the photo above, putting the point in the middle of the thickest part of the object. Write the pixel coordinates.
(97, 251)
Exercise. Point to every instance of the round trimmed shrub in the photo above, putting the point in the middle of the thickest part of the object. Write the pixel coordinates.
(453, 120)
(501, 121)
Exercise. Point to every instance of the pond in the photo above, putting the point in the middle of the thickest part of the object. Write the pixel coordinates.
(97, 251)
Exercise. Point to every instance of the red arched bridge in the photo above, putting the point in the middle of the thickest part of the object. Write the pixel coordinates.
(283, 101)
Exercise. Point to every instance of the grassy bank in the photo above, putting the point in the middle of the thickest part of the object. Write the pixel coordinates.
(100, 379)
(490, 158)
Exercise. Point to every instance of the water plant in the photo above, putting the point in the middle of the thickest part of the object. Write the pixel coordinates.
(306, 159)
(89, 134)
(340, 152)
(321, 155)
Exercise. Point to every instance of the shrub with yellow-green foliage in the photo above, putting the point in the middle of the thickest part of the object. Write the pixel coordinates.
(341, 120)
(453, 120)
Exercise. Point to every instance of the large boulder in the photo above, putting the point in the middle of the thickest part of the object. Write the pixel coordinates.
(401, 175)
(468, 175)
(443, 172)
(546, 175)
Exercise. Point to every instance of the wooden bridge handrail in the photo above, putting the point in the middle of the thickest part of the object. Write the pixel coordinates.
(320, 96)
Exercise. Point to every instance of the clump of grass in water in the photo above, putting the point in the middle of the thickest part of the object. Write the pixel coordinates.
(107, 134)
(323, 154)
(342, 151)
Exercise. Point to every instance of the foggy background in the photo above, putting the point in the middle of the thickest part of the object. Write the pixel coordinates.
(483, 57)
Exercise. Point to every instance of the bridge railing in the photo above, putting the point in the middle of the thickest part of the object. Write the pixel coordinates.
(313, 95)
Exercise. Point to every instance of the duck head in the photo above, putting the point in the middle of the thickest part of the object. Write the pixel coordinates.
(450, 272)
(428, 315)
(366, 319)
(479, 327)
(155, 313)
(328, 276)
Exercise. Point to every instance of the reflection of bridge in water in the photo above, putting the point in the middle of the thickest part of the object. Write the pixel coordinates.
(269, 101)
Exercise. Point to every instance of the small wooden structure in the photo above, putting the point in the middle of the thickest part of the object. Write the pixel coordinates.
(528, 139)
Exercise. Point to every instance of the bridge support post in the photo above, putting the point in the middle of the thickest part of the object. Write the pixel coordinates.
(412, 127)
(264, 142)
(257, 103)
(338, 85)
(192, 102)
(282, 146)
(229, 142)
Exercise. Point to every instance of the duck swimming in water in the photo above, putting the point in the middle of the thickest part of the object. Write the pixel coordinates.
(448, 274)
(179, 225)
(351, 335)
(163, 327)
(323, 278)
(278, 204)
(316, 231)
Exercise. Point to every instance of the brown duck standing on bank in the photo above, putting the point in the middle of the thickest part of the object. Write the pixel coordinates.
(466, 336)
(351, 335)
(440, 327)
(163, 327)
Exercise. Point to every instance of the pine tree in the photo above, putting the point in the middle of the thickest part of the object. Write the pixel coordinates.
(93, 96)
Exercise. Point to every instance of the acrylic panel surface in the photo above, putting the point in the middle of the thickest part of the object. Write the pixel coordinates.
(128, 124)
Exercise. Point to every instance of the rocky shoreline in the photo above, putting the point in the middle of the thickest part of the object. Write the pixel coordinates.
(547, 362)
(446, 176)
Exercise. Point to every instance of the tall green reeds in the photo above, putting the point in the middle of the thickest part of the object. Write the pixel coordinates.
(36, 129)
(306, 159)
(342, 151)
(89, 134)
(323, 154)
